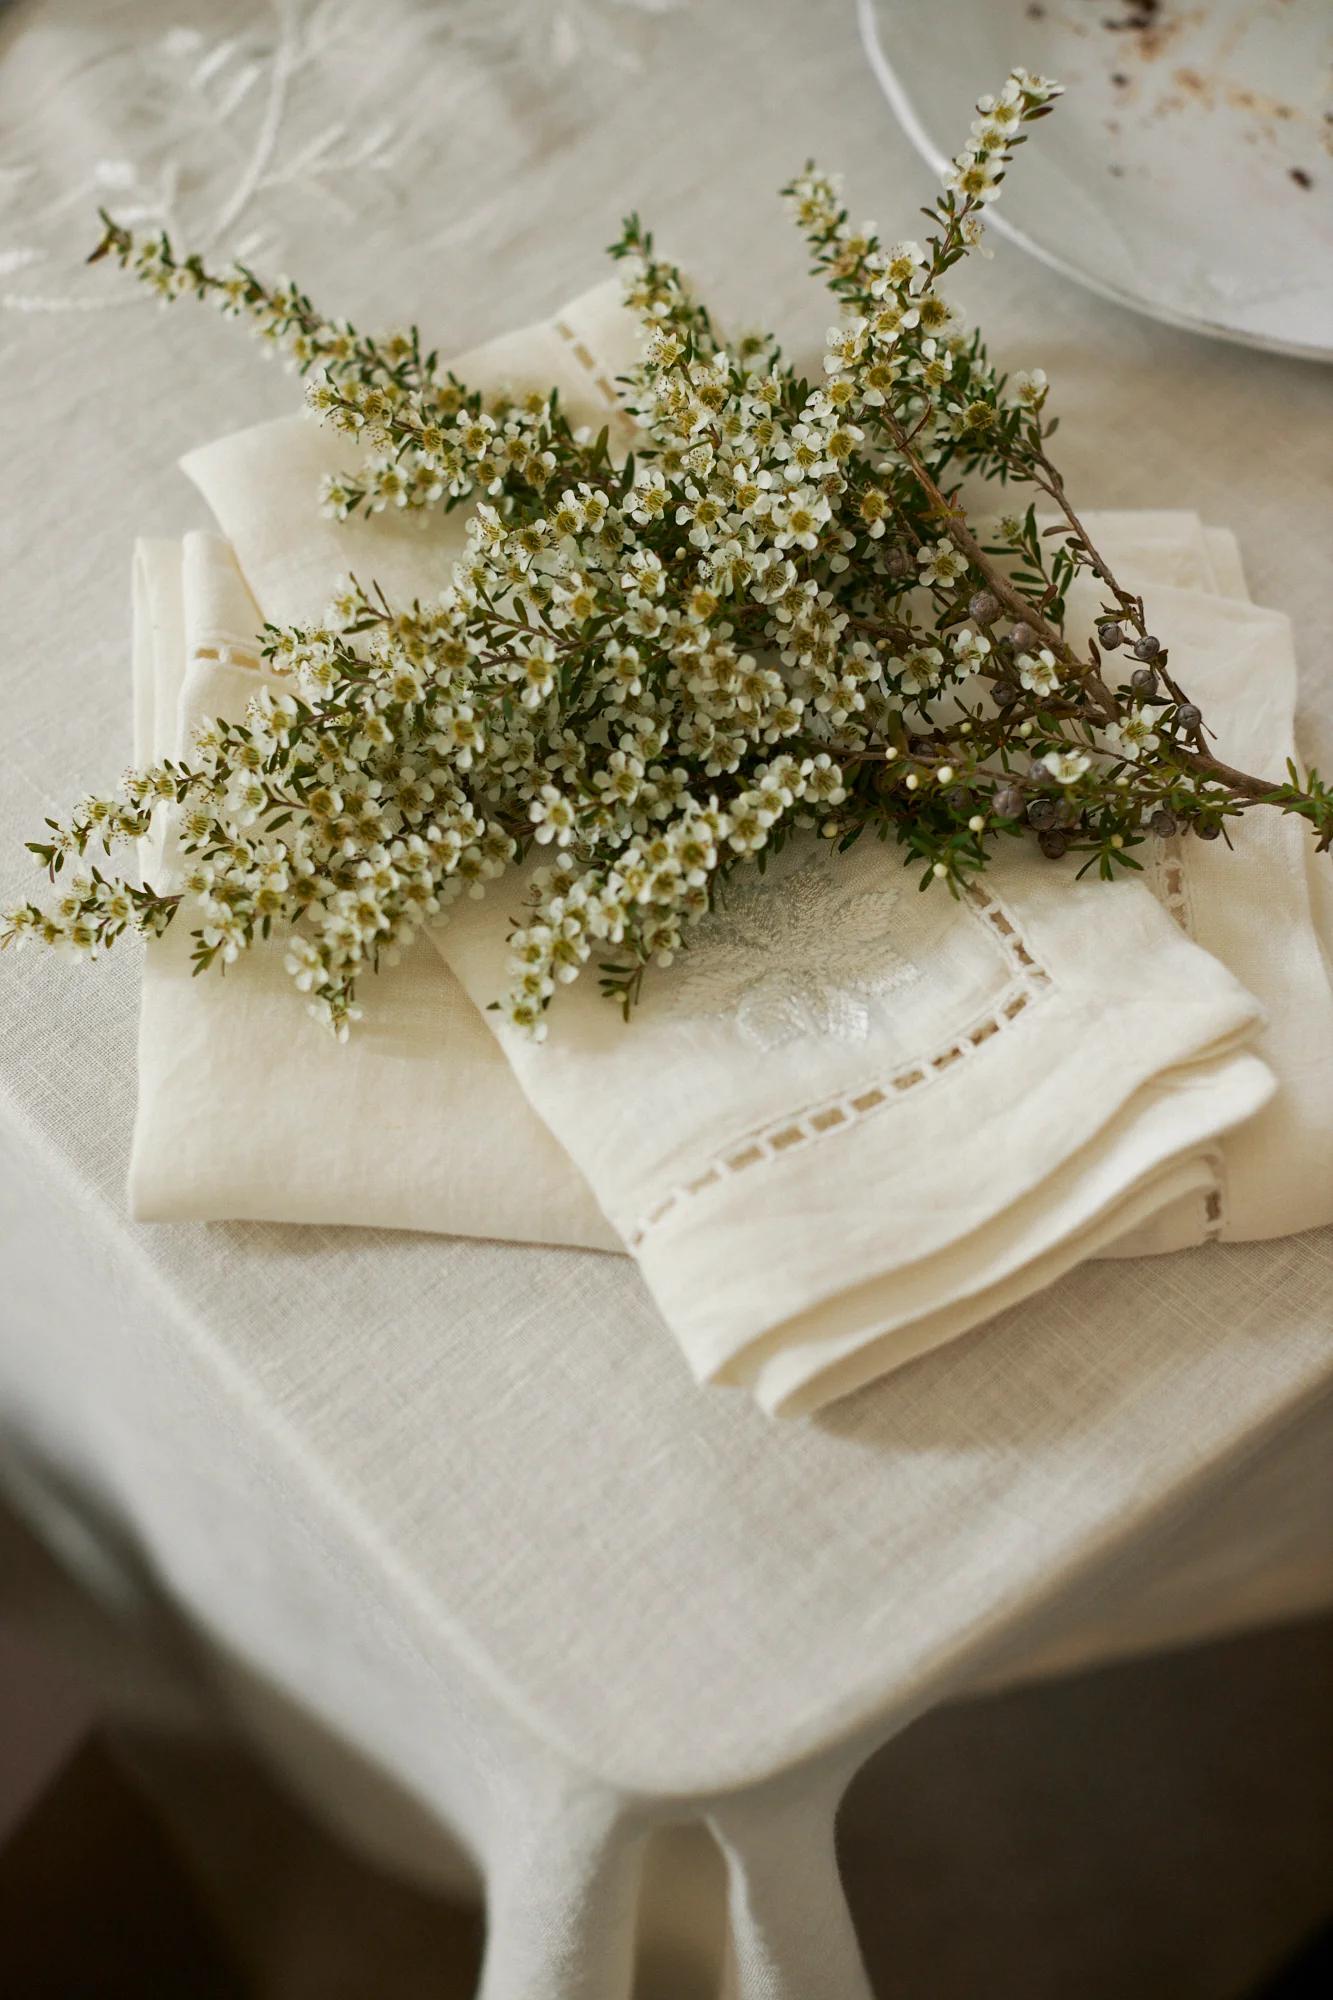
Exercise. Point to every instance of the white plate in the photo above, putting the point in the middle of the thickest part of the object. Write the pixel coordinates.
(1189, 170)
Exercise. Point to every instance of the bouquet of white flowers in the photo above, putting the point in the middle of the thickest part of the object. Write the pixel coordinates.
(772, 612)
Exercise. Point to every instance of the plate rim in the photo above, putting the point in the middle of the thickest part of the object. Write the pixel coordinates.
(904, 110)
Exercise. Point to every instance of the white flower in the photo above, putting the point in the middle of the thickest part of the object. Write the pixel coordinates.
(389, 484)
(1066, 765)
(934, 367)
(751, 817)
(1133, 737)
(1042, 88)
(527, 1015)
(649, 499)
(877, 381)
(799, 516)
(246, 798)
(553, 817)
(896, 316)
(537, 670)
(621, 779)
(823, 781)
(1028, 388)
(335, 497)
(225, 936)
(873, 507)
(970, 650)
(751, 488)
(702, 512)
(1038, 671)
(845, 346)
(976, 176)
(941, 564)
(901, 266)
(918, 670)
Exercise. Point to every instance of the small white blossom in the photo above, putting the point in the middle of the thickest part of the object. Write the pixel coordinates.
(1133, 738)
(1066, 765)
(941, 564)
(1028, 388)
(1038, 671)
(970, 651)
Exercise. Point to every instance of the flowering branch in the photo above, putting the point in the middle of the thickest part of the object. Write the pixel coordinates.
(776, 615)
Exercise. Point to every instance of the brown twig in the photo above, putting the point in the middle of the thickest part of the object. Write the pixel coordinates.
(1013, 600)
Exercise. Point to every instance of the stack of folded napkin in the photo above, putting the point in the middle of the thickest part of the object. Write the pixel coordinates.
(854, 1121)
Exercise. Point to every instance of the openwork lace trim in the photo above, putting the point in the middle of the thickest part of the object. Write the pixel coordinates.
(1171, 883)
(1171, 886)
(231, 653)
(1028, 981)
(592, 368)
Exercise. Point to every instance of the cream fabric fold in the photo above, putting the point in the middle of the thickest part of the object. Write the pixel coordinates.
(1254, 907)
(247, 1112)
(856, 1120)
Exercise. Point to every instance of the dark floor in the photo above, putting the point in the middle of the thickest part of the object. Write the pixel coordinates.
(1160, 1831)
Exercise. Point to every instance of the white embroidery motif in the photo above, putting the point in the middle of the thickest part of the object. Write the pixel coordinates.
(808, 956)
(1029, 982)
(240, 137)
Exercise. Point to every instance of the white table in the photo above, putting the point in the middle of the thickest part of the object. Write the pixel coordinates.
(457, 1536)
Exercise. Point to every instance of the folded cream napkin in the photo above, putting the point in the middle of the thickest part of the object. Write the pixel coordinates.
(245, 1111)
(824, 1169)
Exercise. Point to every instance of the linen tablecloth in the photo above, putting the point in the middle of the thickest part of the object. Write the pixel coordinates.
(452, 1515)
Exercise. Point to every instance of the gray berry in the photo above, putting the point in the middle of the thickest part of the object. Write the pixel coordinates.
(1188, 716)
(956, 799)
(1054, 844)
(1143, 680)
(984, 607)
(1042, 813)
(1110, 635)
(1163, 823)
(897, 562)
(1009, 802)
(1148, 648)
(1023, 637)
(1207, 830)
